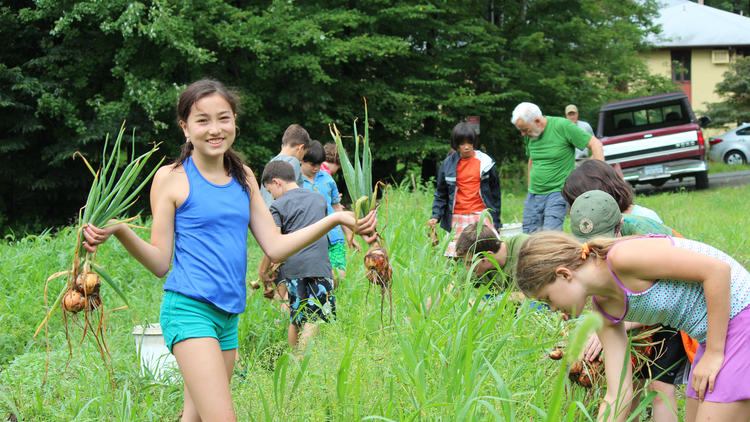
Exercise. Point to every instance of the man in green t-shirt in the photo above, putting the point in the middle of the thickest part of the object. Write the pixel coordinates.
(550, 145)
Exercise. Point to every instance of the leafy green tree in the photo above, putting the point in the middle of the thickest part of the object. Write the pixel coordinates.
(735, 89)
(72, 71)
(582, 52)
(734, 6)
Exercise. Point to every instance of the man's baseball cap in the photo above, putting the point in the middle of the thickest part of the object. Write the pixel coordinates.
(594, 214)
(571, 108)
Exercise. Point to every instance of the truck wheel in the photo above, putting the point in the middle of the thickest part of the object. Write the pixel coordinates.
(701, 180)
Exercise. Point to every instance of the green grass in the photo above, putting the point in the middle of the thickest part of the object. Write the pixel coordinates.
(716, 167)
(456, 362)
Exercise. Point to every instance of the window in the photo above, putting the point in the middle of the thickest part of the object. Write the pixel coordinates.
(647, 118)
(672, 113)
(639, 117)
(655, 115)
(719, 56)
(623, 120)
(681, 65)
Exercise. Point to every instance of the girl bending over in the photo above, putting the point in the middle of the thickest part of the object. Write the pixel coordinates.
(677, 282)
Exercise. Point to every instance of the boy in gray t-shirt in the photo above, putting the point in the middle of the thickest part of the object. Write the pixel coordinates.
(306, 275)
(294, 143)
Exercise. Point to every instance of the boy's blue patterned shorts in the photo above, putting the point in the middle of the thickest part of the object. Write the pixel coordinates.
(311, 298)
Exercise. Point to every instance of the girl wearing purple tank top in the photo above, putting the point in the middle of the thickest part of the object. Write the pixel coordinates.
(194, 307)
(678, 282)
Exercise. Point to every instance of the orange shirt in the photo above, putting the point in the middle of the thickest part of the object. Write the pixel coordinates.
(468, 181)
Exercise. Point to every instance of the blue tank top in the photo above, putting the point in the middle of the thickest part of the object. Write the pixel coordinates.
(210, 246)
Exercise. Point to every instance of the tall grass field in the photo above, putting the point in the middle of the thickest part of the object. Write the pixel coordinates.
(459, 360)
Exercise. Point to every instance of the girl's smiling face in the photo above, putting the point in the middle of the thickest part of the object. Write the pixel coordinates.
(566, 293)
(210, 127)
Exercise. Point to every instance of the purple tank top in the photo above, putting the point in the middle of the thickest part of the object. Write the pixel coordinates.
(681, 304)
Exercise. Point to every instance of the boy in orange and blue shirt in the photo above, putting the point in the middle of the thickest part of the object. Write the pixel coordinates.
(467, 184)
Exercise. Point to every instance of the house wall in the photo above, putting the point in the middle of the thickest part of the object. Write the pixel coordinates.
(658, 62)
(704, 75)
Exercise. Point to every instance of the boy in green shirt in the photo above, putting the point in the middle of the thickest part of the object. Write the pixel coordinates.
(496, 258)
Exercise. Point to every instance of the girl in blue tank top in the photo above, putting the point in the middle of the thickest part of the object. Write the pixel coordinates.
(202, 205)
(682, 283)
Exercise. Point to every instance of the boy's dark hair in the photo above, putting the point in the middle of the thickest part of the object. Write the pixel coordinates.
(315, 154)
(597, 175)
(332, 153)
(278, 169)
(295, 135)
(470, 242)
(463, 131)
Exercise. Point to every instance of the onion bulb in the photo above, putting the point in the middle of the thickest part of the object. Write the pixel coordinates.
(73, 301)
(88, 283)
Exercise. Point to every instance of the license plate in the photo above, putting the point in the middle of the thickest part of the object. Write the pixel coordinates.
(656, 170)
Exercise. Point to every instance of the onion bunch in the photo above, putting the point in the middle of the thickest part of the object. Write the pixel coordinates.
(358, 176)
(590, 373)
(112, 193)
(358, 179)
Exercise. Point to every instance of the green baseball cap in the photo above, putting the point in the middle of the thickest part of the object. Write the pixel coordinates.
(594, 214)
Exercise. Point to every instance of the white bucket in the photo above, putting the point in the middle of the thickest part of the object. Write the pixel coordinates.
(511, 229)
(155, 357)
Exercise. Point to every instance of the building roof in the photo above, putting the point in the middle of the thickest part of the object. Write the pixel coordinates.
(688, 24)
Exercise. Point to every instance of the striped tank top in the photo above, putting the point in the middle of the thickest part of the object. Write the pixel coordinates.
(682, 304)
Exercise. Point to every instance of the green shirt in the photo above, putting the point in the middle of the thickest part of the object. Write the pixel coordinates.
(553, 154)
(512, 248)
(501, 280)
(635, 224)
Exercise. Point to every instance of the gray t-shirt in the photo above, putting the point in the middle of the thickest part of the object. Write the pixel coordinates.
(584, 153)
(295, 209)
(266, 195)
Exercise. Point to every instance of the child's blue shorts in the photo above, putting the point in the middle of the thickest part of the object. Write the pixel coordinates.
(182, 318)
(311, 298)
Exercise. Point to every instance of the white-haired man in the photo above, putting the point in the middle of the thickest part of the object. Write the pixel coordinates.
(550, 145)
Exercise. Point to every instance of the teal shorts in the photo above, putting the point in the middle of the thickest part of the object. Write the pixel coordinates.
(337, 255)
(182, 318)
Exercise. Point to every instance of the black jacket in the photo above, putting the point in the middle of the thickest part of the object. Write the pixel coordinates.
(445, 192)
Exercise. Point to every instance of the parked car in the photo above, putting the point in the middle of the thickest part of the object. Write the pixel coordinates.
(654, 139)
(732, 147)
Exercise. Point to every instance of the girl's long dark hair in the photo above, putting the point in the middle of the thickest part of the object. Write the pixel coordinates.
(232, 162)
